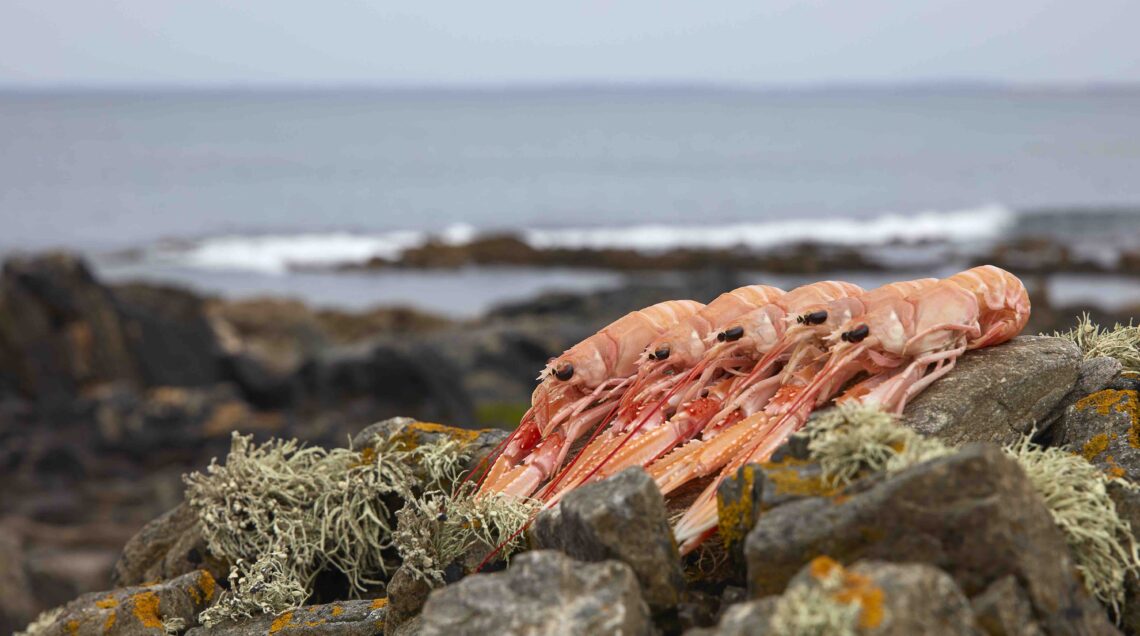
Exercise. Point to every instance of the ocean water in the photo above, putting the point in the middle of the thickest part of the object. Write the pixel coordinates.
(231, 191)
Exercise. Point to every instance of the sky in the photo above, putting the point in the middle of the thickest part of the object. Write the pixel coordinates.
(737, 42)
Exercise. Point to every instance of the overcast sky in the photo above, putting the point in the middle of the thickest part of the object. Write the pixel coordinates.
(755, 42)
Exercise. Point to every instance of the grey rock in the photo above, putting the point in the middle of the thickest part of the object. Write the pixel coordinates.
(973, 514)
(478, 447)
(138, 610)
(621, 518)
(997, 394)
(917, 599)
(343, 618)
(1127, 503)
(407, 594)
(1104, 427)
(168, 546)
(543, 592)
(1004, 610)
(898, 600)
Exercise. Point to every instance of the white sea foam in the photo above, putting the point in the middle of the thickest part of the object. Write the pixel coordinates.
(278, 253)
(972, 224)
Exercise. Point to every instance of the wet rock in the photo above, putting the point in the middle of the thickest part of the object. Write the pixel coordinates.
(973, 514)
(621, 518)
(1004, 610)
(543, 592)
(138, 610)
(168, 546)
(407, 594)
(168, 334)
(343, 618)
(1104, 427)
(997, 394)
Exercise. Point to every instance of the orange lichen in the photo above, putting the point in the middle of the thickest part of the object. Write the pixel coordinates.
(378, 603)
(109, 623)
(410, 437)
(281, 622)
(337, 610)
(1109, 400)
(736, 516)
(72, 626)
(208, 587)
(854, 588)
(789, 481)
(1096, 445)
(107, 603)
(146, 609)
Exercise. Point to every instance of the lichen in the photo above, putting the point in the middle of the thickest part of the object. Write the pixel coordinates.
(850, 439)
(282, 513)
(1109, 400)
(1076, 493)
(736, 515)
(41, 625)
(835, 603)
(436, 529)
(145, 606)
(1122, 342)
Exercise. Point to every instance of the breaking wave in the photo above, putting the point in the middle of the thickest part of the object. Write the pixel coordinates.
(279, 253)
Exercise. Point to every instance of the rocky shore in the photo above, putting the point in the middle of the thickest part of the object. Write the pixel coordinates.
(110, 394)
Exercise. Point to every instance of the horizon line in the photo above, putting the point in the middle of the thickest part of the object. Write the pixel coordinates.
(583, 86)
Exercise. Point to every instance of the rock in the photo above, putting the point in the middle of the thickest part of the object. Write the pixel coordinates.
(138, 610)
(892, 600)
(748, 618)
(371, 382)
(17, 604)
(165, 419)
(543, 592)
(407, 594)
(973, 514)
(477, 444)
(916, 599)
(343, 618)
(621, 518)
(61, 330)
(1104, 427)
(260, 385)
(1127, 503)
(168, 546)
(997, 394)
(1004, 610)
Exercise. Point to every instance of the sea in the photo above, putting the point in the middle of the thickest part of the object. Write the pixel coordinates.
(245, 193)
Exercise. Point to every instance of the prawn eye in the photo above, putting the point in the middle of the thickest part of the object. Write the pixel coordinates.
(661, 353)
(565, 372)
(815, 318)
(857, 334)
(731, 335)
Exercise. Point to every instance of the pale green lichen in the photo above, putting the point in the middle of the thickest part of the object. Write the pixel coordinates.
(814, 610)
(284, 513)
(42, 623)
(438, 528)
(1076, 493)
(850, 439)
(1121, 342)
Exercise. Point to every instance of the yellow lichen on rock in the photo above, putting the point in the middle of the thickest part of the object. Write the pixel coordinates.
(145, 606)
(379, 602)
(281, 622)
(735, 516)
(1120, 401)
(789, 481)
(1096, 445)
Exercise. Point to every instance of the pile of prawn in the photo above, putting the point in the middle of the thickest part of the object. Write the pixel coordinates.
(692, 392)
